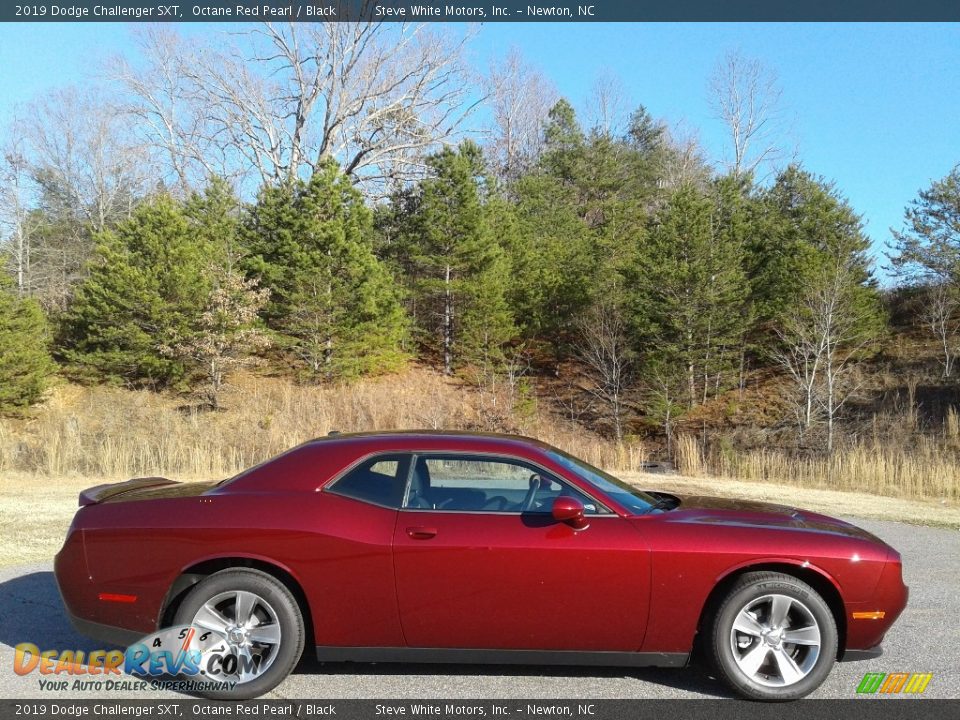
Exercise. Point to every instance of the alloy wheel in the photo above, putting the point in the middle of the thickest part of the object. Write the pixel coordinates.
(775, 640)
(247, 627)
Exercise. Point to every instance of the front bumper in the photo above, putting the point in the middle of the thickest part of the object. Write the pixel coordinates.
(890, 596)
(856, 655)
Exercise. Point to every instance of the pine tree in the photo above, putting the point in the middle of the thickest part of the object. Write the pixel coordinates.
(25, 363)
(146, 286)
(802, 224)
(553, 266)
(611, 183)
(459, 271)
(927, 252)
(929, 244)
(580, 213)
(690, 291)
(333, 304)
(735, 223)
(214, 216)
(564, 143)
(226, 331)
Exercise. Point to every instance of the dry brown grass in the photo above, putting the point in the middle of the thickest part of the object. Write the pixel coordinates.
(116, 433)
(924, 470)
(689, 456)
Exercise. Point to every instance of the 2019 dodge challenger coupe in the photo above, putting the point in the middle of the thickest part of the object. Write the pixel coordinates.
(455, 547)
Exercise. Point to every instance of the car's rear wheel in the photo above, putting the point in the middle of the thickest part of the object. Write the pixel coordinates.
(253, 625)
(773, 637)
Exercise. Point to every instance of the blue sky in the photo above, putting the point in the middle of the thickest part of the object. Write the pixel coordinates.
(874, 107)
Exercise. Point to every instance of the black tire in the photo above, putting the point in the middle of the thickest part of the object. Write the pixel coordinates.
(806, 608)
(288, 617)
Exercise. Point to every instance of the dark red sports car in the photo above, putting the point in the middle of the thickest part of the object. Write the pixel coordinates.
(453, 547)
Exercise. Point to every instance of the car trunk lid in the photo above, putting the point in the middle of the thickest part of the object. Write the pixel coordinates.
(142, 489)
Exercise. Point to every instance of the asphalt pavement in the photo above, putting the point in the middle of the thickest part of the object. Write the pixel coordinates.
(926, 638)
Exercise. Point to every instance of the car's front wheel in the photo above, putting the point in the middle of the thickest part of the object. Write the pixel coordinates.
(773, 637)
(252, 625)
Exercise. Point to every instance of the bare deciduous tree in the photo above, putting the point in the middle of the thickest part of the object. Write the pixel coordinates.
(820, 338)
(376, 97)
(746, 96)
(684, 161)
(500, 385)
(800, 355)
(16, 226)
(72, 169)
(83, 156)
(607, 105)
(603, 348)
(940, 317)
(520, 98)
(168, 114)
(663, 390)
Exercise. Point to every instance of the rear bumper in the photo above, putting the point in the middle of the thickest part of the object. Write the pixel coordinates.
(83, 598)
(109, 634)
(68, 580)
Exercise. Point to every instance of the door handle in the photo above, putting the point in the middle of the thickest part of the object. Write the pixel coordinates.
(421, 533)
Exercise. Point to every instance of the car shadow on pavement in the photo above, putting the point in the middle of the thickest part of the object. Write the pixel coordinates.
(34, 613)
(691, 679)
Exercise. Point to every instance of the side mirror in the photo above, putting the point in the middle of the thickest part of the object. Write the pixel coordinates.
(569, 510)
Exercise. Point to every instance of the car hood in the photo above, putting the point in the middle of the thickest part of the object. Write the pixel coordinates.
(734, 512)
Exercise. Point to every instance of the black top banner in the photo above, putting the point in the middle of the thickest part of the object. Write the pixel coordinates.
(481, 11)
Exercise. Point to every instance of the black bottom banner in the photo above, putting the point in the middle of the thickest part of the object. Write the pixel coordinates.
(853, 709)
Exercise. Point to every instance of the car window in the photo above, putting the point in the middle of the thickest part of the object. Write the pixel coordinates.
(624, 493)
(482, 484)
(379, 480)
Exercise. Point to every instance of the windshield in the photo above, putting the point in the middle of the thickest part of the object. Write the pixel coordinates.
(632, 498)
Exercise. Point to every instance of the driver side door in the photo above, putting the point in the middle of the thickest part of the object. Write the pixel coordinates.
(475, 569)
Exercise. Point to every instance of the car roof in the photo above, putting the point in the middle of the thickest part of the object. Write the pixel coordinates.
(437, 435)
(452, 440)
(298, 468)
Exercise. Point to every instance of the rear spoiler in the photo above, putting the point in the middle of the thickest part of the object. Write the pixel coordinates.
(99, 493)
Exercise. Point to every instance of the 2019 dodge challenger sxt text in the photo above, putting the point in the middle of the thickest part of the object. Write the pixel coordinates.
(453, 547)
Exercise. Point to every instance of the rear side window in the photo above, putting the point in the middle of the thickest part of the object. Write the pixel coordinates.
(379, 480)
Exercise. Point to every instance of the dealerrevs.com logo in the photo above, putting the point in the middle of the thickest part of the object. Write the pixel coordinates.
(199, 659)
(894, 683)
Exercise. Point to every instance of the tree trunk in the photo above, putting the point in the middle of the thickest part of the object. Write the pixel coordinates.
(216, 382)
(831, 410)
(20, 260)
(617, 421)
(947, 355)
(742, 374)
(447, 324)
